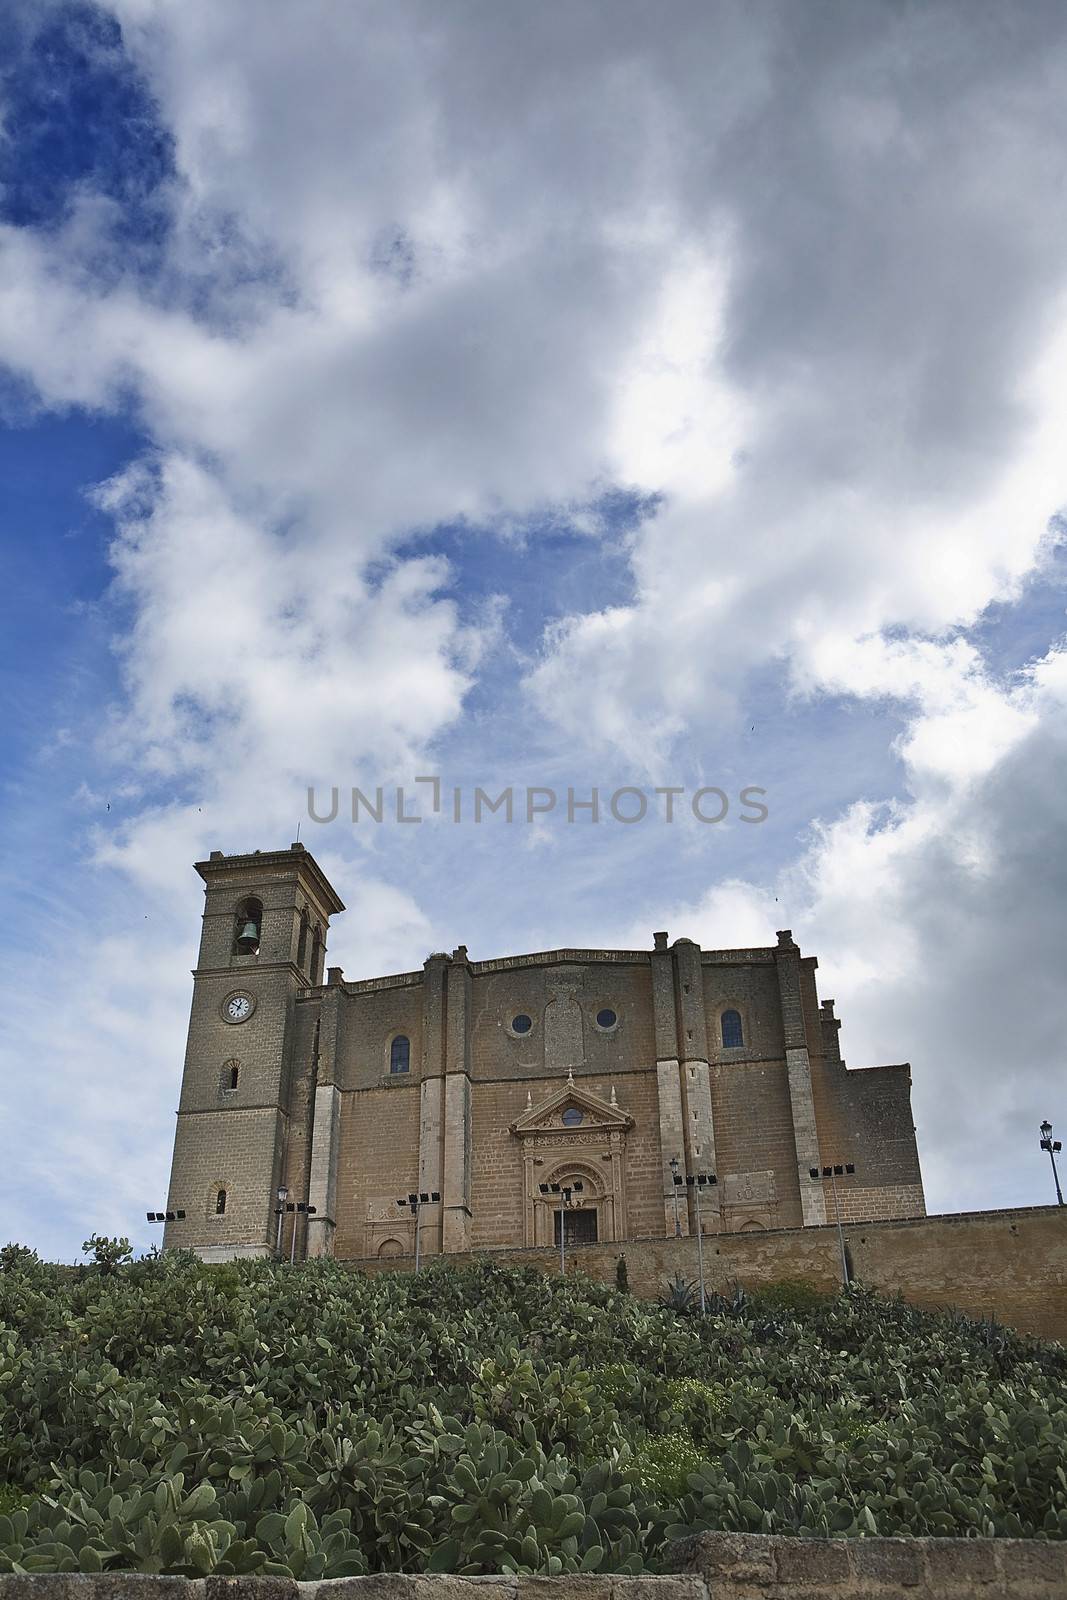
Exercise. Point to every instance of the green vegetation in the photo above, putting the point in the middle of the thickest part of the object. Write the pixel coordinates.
(161, 1415)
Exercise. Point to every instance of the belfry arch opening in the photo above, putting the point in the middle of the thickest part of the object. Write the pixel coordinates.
(247, 927)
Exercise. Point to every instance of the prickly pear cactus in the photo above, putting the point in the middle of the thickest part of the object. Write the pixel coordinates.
(165, 1416)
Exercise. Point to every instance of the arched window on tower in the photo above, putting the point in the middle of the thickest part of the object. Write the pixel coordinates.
(246, 927)
(235, 1073)
(302, 947)
(316, 955)
(220, 1202)
(400, 1054)
(732, 1032)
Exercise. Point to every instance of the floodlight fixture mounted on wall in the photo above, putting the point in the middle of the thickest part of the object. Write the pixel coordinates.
(414, 1203)
(839, 1170)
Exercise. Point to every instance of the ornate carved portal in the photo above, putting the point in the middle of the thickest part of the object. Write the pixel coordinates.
(573, 1136)
(749, 1201)
(389, 1231)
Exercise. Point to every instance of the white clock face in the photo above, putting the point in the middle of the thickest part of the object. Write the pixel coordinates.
(237, 1008)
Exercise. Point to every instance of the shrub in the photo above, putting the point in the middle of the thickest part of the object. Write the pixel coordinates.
(664, 1463)
(108, 1254)
(167, 1416)
(791, 1294)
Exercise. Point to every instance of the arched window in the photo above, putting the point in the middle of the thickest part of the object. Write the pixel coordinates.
(302, 947)
(246, 927)
(220, 1203)
(235, 1073)
(732, 1033)
(400, 1054)
(316, 955)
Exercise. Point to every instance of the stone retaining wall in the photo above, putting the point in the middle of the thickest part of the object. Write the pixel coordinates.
(715, 1566)
(754, 1566)
(1011, 1265)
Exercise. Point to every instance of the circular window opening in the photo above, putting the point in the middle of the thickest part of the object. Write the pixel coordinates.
(522, 1023)
(606, 1018)
(572, 1116)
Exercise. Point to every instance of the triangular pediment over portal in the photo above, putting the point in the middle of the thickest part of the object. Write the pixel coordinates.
(550, 1116)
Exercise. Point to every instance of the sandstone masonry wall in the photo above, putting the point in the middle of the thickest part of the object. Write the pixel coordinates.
(1008, 1264)
(715, 1566)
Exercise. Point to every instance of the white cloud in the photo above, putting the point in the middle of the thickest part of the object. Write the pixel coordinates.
(88, 1098)
(938, 923)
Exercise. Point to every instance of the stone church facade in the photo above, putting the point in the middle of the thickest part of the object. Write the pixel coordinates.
(497, 1085)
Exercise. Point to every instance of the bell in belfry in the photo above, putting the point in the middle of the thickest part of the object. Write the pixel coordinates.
(248, 939)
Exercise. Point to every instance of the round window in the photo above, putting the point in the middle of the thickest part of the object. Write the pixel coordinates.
(572, 1117)
(522, 1023)
(606, 1018)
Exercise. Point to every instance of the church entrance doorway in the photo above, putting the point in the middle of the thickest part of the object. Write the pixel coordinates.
(580, 1226)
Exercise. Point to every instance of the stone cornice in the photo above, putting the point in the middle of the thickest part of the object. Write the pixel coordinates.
(296, 857)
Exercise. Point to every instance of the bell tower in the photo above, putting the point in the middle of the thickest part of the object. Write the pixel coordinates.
(266, 919)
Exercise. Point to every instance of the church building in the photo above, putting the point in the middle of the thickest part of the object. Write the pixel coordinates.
(615, 1093)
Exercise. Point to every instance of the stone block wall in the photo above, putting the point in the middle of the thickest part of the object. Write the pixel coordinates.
(1008, 1264)
(715, 1566)
(770, 1567)
(379, 1160)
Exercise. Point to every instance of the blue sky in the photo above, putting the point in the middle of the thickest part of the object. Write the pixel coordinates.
(542, 403)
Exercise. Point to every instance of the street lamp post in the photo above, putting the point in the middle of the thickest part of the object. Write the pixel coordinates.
(283, 1195)
(415, 1203)
(698, 1182)
(833, 1173)
(675, 1184)
(295, 1208)
(566, 1203)
(1052, 1146)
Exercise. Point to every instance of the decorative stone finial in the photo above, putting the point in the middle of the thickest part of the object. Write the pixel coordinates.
(529, 1100)
(614, 1102)
(570, 1077)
